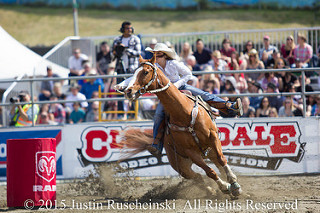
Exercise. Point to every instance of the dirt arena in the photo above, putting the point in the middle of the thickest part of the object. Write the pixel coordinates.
(109, 194)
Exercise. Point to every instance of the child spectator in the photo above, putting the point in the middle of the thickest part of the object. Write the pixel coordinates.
(93, 114)
(77, 115)
(57, 111)
(269, 77)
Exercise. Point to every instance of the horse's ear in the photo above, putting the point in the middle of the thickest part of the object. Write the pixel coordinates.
(140, 59)
(153, 59)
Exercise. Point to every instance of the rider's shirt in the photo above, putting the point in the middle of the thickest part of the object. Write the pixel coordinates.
(177, 72)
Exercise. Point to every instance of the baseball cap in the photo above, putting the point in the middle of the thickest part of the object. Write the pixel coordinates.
(266, 37)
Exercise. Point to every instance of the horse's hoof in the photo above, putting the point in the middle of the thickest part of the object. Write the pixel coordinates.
(226, 191)
(235, 189)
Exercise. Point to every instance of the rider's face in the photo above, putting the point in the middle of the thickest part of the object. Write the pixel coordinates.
(159, 56)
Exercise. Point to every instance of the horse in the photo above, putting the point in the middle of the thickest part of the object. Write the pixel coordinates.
(191, 134)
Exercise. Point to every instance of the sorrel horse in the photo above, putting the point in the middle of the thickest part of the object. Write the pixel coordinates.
(181, 146)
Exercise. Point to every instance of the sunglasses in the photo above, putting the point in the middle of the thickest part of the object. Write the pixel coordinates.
(249, 44)
(289, 39)
(161, 55)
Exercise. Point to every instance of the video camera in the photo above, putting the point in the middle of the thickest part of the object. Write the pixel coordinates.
(18, 98)
(119, 49)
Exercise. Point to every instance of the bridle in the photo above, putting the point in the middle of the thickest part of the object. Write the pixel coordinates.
(144, 90)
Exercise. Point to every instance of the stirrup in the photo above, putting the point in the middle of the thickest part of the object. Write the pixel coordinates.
(154, 151)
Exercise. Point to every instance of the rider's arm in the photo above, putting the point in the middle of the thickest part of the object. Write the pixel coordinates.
(183, 71)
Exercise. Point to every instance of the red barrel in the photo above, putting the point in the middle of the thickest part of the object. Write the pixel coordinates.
(31, 172)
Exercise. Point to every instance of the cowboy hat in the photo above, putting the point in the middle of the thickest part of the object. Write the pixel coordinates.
(161, 47)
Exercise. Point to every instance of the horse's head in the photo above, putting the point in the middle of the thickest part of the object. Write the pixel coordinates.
(143, 79)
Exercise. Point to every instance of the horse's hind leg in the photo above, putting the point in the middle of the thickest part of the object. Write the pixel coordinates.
(198, 160)
(181, 165)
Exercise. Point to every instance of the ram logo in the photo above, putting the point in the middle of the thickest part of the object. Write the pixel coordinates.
(46, 165)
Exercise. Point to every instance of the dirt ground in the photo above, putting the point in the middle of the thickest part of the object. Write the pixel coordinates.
(107, 193)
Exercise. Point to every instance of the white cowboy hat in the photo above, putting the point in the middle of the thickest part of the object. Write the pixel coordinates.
(163, 48)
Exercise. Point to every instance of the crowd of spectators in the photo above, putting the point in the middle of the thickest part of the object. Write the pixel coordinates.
(202, 58)
(291, 55)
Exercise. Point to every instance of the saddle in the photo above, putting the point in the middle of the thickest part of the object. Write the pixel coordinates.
(201, 102)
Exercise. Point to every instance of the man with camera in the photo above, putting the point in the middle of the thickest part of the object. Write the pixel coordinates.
(126, 49)
(21, 115)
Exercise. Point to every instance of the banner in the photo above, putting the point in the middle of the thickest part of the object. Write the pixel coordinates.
(268, 146)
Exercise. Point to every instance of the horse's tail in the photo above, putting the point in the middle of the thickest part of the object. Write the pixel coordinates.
(134, 141)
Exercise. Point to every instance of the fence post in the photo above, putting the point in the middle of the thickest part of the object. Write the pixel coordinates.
(303, 90)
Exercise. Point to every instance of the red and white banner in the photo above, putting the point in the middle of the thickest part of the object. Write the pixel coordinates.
(258, 146)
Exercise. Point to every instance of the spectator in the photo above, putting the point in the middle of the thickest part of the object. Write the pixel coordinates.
(110, 105)
(103, 58)
(76, 61)
(202, 54)
(254, 63)
(92, 84)
(269, 77)
(316, 107)
(57, 91)
(77, 115)
(230, 87)
(273, 113)
(264, 108)
(86, 69)
(265, 58)
(93, 114)
(271, 62)
(287, 109)
(242, 85)
(191, 62)
(275, 101)
(245, 53)
(127, 48)
(267, 47)
(247, 109)
(76, 96)
(303, 52)
(227, 50)
(185, 52)
(254, 87)
(237, 63)
(57, 110)
(287, 50)
(21, 115)
(47, 86)
(217, 63)
(45, 119)
(153, 42)
(211, 86)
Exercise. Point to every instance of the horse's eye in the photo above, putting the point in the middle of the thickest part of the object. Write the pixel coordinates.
(146, 73)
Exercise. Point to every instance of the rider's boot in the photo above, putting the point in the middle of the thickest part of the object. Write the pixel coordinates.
(156, 147)
(228, 108)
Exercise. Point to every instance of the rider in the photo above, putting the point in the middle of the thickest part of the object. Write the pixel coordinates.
(179, 74)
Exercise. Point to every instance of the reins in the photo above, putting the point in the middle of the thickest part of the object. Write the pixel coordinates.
(155, 76)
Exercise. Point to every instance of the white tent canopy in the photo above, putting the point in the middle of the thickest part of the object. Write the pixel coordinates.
(17, 60)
